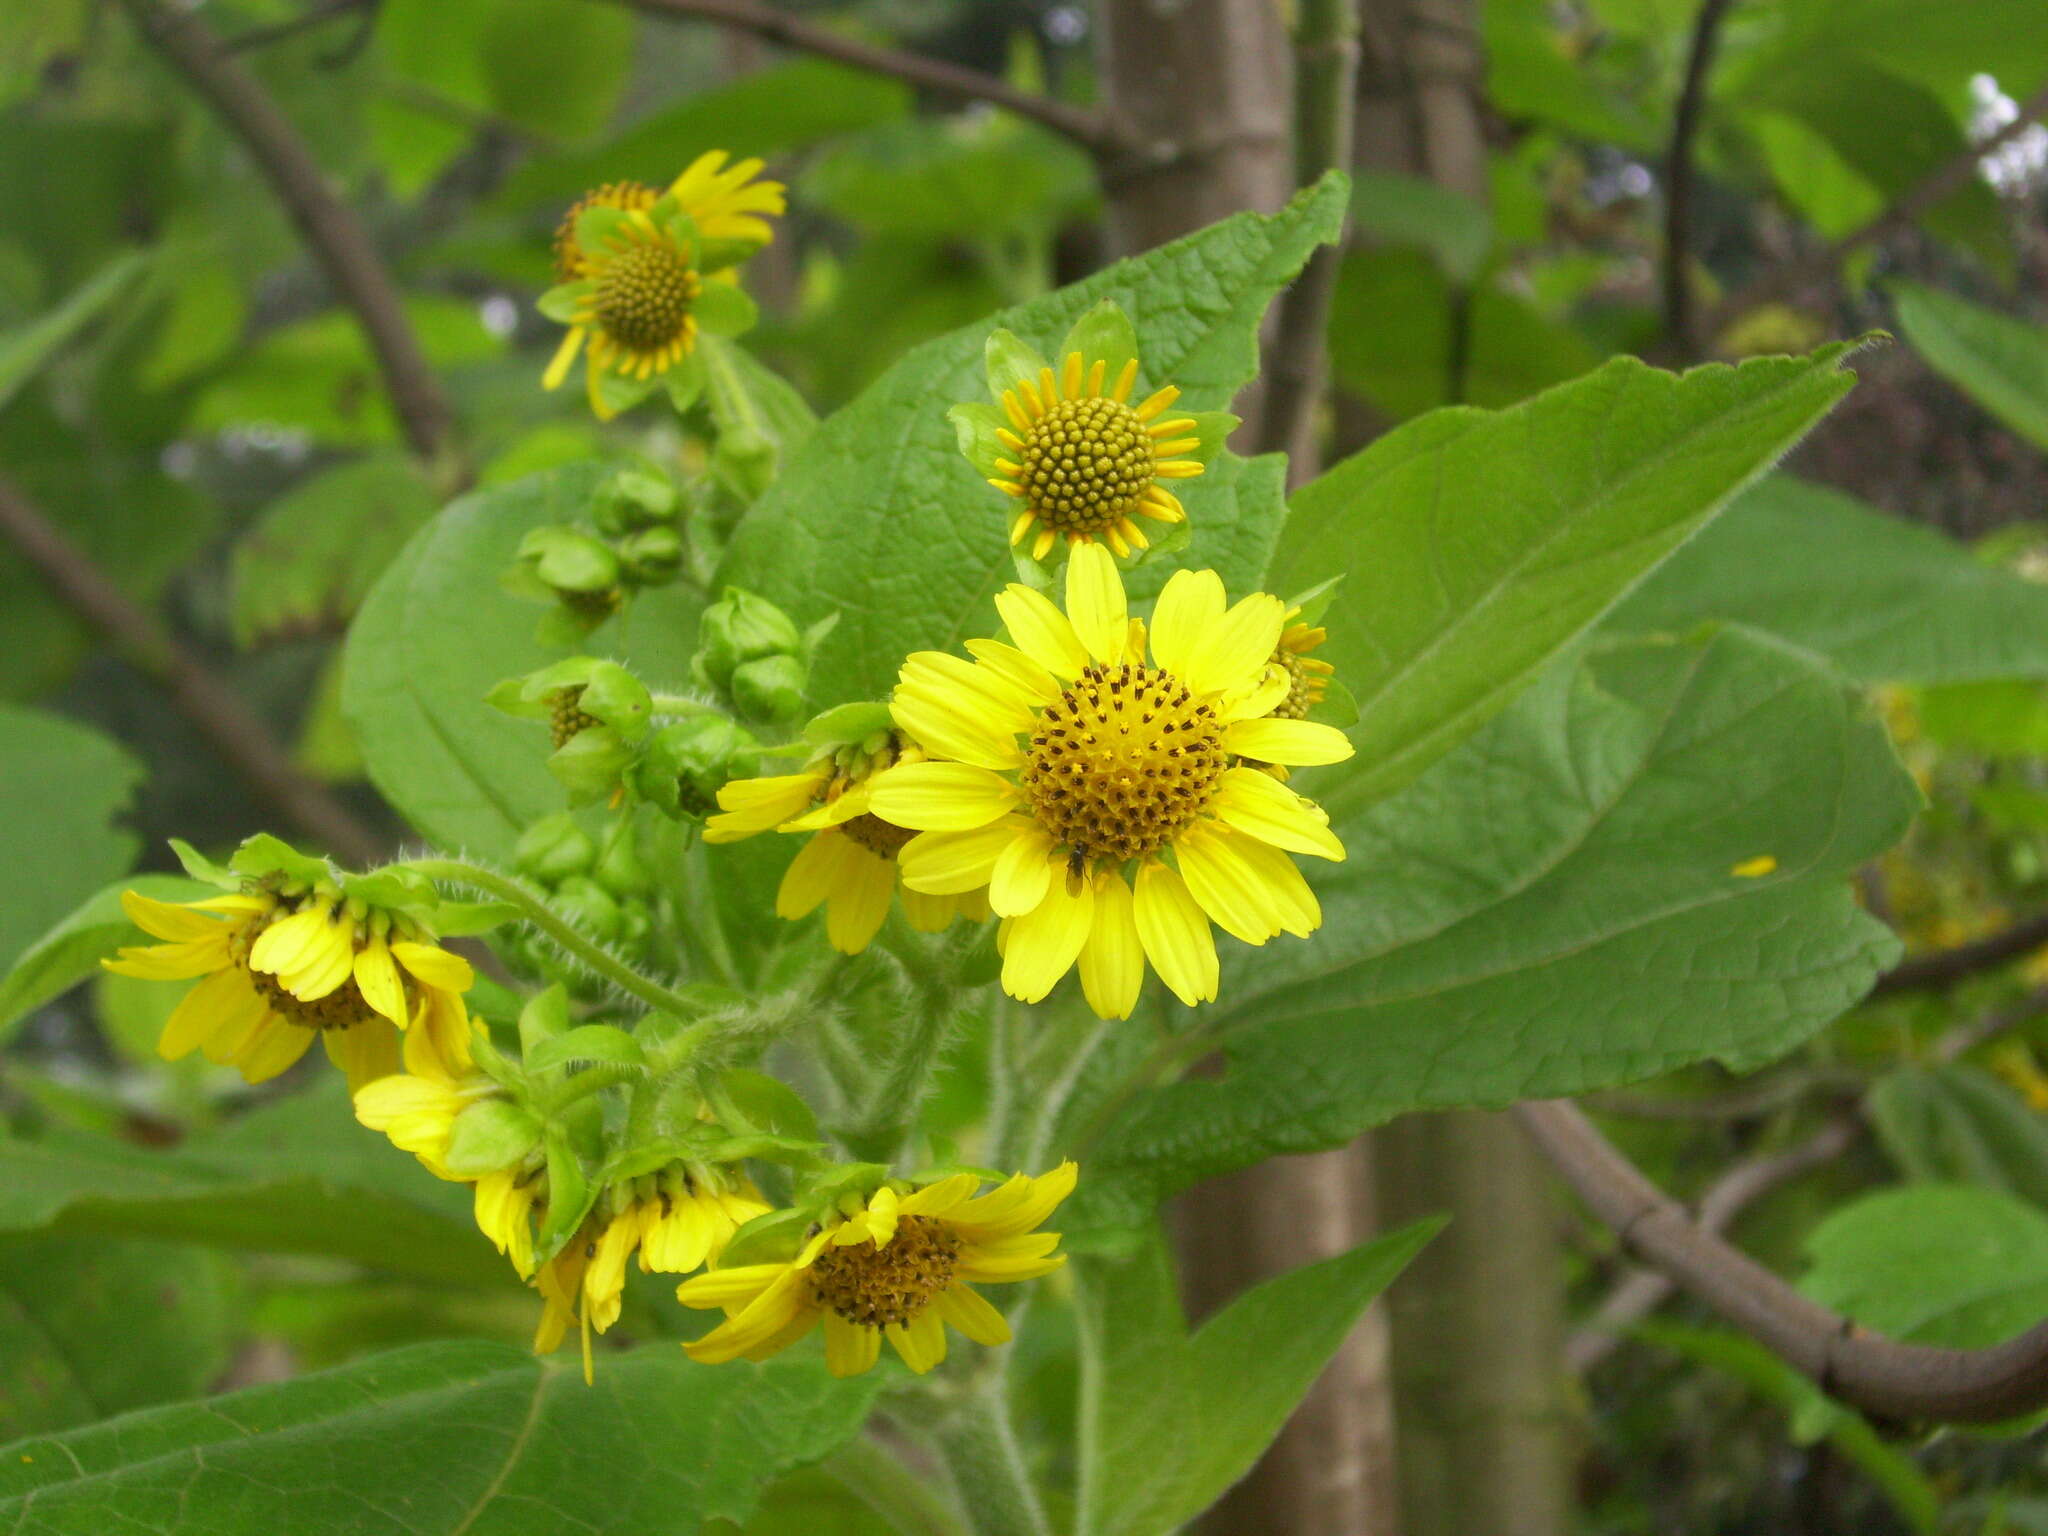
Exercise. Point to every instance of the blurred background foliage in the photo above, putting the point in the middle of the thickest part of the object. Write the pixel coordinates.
(181, 397)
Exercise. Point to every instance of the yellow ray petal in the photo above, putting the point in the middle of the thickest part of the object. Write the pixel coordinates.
(1041, 631)
(952, 863)
(1295, 743)
(1175, 932)
(1261, 806)
(1045, 942)
(942, 797)
(1095, 603)
(1113, 959)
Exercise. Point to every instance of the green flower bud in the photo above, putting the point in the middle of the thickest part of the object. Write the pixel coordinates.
(685, 763)
(569, 561)
(771, 688)
(592, 764)
(621, 871)
(740, 628)
(554, 848)
(590, 907)
(490, 1136)
(653, 556)
(634, 500)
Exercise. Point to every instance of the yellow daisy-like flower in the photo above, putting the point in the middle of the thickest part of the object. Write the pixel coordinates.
(1065, 759)
(1308, 677)
(276, 974)
(1066, 443)
(678, 1221)
(849, 865)
(895, 1265)
(642, 273)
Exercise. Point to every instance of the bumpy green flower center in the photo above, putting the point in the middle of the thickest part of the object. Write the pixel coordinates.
(1086, 463)
(566, 719)
(1125, 761)
(1299, 697)
(644, 295)
(891, 1284)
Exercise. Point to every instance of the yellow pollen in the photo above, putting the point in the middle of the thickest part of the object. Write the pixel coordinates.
(1086, 463)
(1123, 762)
(877, 835)
(891, 1284)
(566, 719)
(644, 295)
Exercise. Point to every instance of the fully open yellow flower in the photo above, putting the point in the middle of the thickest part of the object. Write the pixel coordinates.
(275, 974)
(1068, 445)
(896, 1266)
(1062, 761)
(849, 865)
(642, 273)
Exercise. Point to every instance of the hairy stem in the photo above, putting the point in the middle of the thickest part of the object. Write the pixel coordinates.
(979, 1444)
(872, 1473)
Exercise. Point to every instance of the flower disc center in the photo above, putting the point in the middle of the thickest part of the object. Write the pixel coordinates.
(644, 295)
(1127, 759)
(343, 1008)
(1086, 463)
(877, 835)
(566, 719)
(891, 1284)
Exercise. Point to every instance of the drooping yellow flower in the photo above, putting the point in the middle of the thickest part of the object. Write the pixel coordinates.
(643, 271)
(1062, 761)
(277, 973)
(677, 1219)
(1066, 443)
(849, 865)
(895, 1265)
(1308, 677)
(418, 1112)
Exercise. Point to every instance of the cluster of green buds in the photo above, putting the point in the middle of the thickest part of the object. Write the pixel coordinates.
(599, 883)
(752, 656)
(590, 570)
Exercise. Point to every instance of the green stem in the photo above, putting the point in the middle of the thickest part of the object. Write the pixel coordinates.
(980, 1446)
(871, 1473)
(543, 917)
(879, 1133)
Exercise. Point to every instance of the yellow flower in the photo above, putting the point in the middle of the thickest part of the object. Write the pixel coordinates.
(678, 1220)
(1067, 444)
(642, 272)
(849, 865)
(418, 1113)
(1308, 677)
(1063, 760)
(894, 1265)
(277, 973)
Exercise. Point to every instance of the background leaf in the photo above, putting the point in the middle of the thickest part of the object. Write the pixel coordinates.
(72, 948)
(63, 784)
(1999, 362)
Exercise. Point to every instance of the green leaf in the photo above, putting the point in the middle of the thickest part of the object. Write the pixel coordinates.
(1958, 1124)
(26, 349)
(586, 1042)
(1408, 210)
(1944, 1264)
(71, 949)
(1479, 544)
(1999, 362)
(770, 110)
(725, 309)
(298, 1176)
(880, 518)
(1904, 1484)
(1884, 599)
(434, 636)
(63, 784)
(1597, 934)
(309, 559)
(1104, 334)
(442, 1440)
(1171, 1419)
(91, 1328)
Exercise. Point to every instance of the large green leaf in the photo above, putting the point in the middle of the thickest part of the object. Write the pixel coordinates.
(72, 948)
(880, 518)
(24, 350)
(1999, 362)
(298, 1176)
(1570, 903)
(437, 632)
(457, 1439)
(1959, 1124)
(1170, 1420)
(1883, 599)
(1945, 1264)
(63, 784)
(91, 1328)
(1477, 544)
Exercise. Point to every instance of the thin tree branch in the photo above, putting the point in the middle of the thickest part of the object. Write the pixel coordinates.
(1870, 1372)
(1326, 51)
(330, 228)
(1948, 967)
(283, 31)
(198, 693)
(1679, 174)
(1942, 183)
(1086, 126)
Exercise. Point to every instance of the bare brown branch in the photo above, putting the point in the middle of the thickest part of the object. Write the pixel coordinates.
(1083, 125)
(1679, 167)
(198, 693)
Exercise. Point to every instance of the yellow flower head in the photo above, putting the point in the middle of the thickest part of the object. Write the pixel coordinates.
(678, 1219)
(1308, 677)
(289, 957)
(418, 1113)
(1062, 762)
(1066, 443)
(642, 273)
(896, 1265)
(849, 865)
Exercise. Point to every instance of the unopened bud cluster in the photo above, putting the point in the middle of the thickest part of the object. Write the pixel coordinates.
(591, 569)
